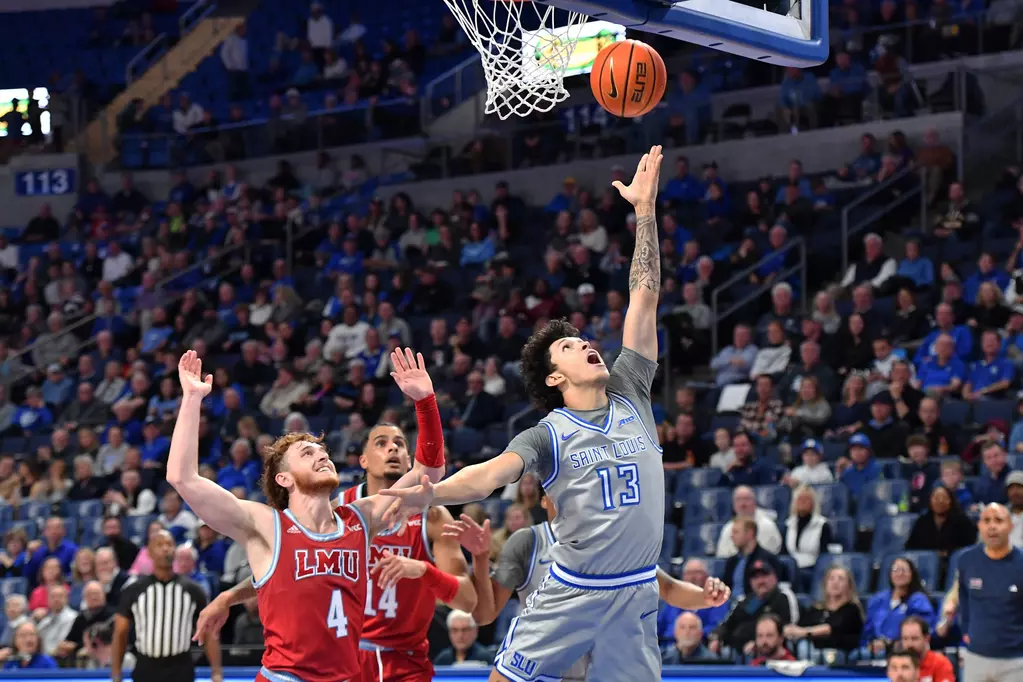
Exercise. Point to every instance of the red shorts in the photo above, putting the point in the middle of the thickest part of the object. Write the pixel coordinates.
(262, 678)
(398, 666)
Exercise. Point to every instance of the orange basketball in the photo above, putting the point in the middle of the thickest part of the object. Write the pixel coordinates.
(628, 78)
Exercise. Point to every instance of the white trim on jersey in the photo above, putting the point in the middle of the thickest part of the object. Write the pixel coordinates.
(365, 531)
(532, 562)
(556, 448)
(319, 537)
(276, 550)
(601, 582)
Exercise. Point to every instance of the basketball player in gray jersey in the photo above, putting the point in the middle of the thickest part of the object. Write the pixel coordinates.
(523, 564)
(597, 455)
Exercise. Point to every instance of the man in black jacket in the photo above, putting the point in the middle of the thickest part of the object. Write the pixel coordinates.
(739, 567)
(738, 630)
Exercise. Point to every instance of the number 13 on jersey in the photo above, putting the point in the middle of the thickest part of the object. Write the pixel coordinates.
(619, 485)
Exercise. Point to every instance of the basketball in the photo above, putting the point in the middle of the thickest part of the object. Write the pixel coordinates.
(628, 78)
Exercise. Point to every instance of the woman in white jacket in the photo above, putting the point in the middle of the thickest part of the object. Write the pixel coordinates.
(807, 533)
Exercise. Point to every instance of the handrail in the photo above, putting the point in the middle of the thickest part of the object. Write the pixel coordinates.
(159, 285)
(715, 295)
(455, 71)
(144, 53)
(199, 11)
(862, 199)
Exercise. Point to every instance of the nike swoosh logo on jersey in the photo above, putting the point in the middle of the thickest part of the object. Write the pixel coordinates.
(648, 613)
(566, 436)
(544, 563)
(614, 86)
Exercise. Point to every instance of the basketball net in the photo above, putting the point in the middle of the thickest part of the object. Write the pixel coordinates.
(524, 64)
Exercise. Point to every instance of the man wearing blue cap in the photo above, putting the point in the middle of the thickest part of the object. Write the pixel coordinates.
(859, 468)
(813, 470)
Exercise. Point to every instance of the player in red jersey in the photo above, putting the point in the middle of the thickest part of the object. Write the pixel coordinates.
(308, 559)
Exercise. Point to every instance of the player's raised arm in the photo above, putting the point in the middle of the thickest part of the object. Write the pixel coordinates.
(414, 381)
(640, 330)
(224, 512)
(471, 484)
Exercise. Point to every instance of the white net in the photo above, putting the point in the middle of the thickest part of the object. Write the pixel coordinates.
(525, 47)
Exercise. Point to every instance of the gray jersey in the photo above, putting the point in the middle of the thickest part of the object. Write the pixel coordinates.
(604, 472)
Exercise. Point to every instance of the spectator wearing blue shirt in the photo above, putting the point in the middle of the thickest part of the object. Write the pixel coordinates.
(212, 550)
(478, 248)
(987, 271)
(748, 469)
(55, 545)
(887, 609)
(847, 86)
(866, 165)
(945, 324)
(689, 105)
(566, 199)
(33, 416)
(860, 468)
(307, 71)
(798, 99)
(684, 188)
(989, 487)
(943, 373)
(991, 376)
(953, 479)
(154, 446)
(57, 387)
(795, 177)
(694, 571)
(916, 269)
(241, 471)
(349, 261)
(991, 601)
(732, 363)
(26, 654)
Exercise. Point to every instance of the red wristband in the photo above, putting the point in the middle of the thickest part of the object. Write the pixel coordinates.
(443, 585)
(430, 442)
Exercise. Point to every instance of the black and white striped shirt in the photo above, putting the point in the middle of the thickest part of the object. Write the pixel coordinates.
(163, 613)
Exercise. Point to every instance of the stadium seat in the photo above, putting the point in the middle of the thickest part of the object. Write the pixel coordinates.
(833, 498)
(136, 525)
(670, 542)
(87, 509)
(891, 469)
(859, 564)
(875, 499)
(75, 596)
(6, 514)
(467, 442)
(712, 505)
(890, 533)
(832, 451)
(700, 539)
(987, 410)
(10, 586)
(790, 568)
(843, 532)
(955, 412)
(775, 497)
(926, 563)
(688, 480)
(34, 509)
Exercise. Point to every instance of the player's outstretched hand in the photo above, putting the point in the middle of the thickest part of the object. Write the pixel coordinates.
(190, 375)
(410, 374)
(471, 535)
(391, 568)
(211, 620)
(408, 500)
(715, 592)
(646, 181)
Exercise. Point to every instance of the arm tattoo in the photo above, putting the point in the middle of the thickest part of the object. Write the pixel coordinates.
(646, 258)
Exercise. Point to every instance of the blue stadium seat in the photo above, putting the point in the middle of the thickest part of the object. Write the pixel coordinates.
(695, 479)
(715, 566)
(875, 498)
(986, 410)
(136, 525)
(891, 469)
(700, 539)
(10, 586)
(709, 505)
(834, 499)
(832, 451)
(34, 509)
(927, 563)
(790, 567)
(724, 421)
(843, 532)
(776, 497)
(75, 596)
(6, 514)
(955, 412)
(87, 509)
(890, 533)
(859, 564)
(670, 542)
(466, 442)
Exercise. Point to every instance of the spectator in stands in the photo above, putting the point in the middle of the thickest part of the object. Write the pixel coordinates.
(769, 644)
(807, 534)
(26, 654)
(886, 434)
(960, 222)
(687, 646)
(915, 636)
(876, 269)
(987, 271)
(15, 613)
(733, 363)
(462, 633)
(738, 630)
(179, 521)
(683, 446)
(14, 556)
(773, 357)
(810, 413)
(188, 114)
(859, 468)
(945, 324)
(748, 469)
(95, 610)
(55, 627)
(234, 54)
(813, 470)
(54, 544)
(887, 609)
(920, 471)
(129, 497)
(109, 575)
(944, 527)
(853, 411)
(690, 105)
(744, 504)
(810, 366)
(55, 346)
(989, 487)
(83, 568)
(943, 373)
(1014, 491)
(742, 532)
(49, 575)
(834, 622)
(990, 311)
(847, 87)
(798, 100)
(915, 271)
(693, 571)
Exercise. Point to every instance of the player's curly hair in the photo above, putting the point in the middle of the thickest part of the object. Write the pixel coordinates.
(273, 464)
(537, 364)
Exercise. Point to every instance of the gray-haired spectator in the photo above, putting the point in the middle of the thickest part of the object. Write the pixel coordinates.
(876, 269)
(55, 346)
(15, 613)
(733, 363)
(744, 504)
(464, 649)
(56, 625)
(773, 357)
(688, 646)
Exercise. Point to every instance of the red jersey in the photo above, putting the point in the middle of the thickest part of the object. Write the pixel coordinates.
(399, 617)
(313, 598)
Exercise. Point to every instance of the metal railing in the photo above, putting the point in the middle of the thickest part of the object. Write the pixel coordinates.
(194, 14)
(455, 86)
(850, 230)
(86, 322)
(141, 62)
(718, 315)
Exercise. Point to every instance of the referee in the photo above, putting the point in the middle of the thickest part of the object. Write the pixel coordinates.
(163, 607)
(991, 602)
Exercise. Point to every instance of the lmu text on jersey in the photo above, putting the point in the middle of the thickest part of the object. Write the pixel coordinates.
(376, 552)
(339, 562)
(614, 450)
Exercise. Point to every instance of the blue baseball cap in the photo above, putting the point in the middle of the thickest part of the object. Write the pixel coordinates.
(812, 444)
(859, 439)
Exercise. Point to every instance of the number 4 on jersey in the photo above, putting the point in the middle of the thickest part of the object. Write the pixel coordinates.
(388, 601)
(336, 617)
